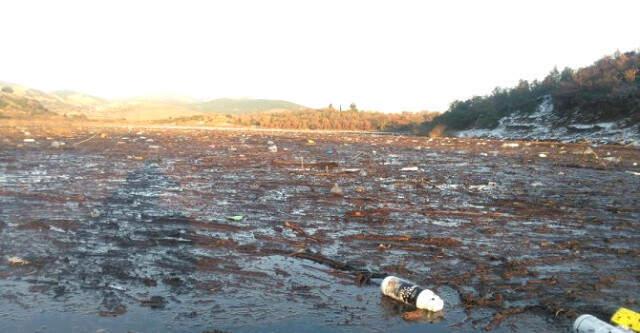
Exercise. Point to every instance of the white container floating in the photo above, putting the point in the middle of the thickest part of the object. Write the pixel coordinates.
(590, 324)
(410, 293)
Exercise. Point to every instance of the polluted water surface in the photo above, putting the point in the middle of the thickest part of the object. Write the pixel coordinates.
(173, 230)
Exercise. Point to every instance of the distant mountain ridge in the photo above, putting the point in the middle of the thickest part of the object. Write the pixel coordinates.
(246, 106)
(17, 101)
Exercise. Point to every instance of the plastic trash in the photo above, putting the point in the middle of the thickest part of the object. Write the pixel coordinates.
(273, 148)
(117, 287)
(411, 168)
(235, 217)
(17, 261)
(336, 189)
(410, 293)
(56, 229)
(590, 324)
(588, 151)
(627, 319)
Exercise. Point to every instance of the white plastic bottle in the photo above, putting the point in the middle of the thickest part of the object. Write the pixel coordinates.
(590, 324)
(409, 293)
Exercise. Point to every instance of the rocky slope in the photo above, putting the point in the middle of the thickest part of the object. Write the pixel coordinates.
(547, 124)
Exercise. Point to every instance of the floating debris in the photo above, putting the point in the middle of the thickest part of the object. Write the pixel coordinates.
(154, 302)
(57, 144)
(627, 319)
(613, 159)
(336, 189)
(409, 293)
(56, 229)
(17, 261)
(590, 324)
(117, 287)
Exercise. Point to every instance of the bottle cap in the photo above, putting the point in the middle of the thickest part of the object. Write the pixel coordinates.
(427, 300)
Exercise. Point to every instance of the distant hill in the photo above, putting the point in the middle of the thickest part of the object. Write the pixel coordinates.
(77, 98)
(159, 108)
(59, 103)
(143, 110)
(246, 106)
(18, 102)
(597, 102)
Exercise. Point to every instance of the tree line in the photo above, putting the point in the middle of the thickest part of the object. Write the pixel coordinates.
(605, 91)
(319, 119)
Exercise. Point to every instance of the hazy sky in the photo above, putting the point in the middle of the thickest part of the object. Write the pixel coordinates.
(385, 55)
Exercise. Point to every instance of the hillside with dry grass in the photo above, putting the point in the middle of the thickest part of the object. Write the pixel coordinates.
(18, 102)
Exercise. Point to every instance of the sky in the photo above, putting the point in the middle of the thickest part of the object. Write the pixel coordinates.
(383, 55)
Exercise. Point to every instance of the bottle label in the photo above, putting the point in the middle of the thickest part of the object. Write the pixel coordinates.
(408, 292)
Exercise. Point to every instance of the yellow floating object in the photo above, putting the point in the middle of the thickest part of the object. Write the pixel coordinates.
(626, 318)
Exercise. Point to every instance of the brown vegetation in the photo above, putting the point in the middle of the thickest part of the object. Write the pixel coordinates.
(322, 119)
